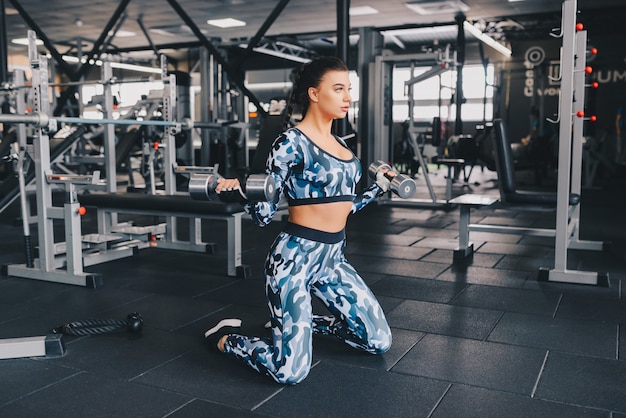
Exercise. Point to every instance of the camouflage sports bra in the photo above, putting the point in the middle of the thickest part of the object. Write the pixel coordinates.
(309, 175)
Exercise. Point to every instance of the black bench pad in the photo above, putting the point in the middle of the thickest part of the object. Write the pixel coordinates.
(158, 203)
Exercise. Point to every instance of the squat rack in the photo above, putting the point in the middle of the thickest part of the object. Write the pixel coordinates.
(573, 69)
(63, 262)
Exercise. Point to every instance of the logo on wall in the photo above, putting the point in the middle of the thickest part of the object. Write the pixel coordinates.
(534, 55)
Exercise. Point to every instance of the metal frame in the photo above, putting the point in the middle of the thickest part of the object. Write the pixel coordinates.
(383, 75)
(48, 266)
(63, 262)
(49, 346)
(573, 62)
(566, 231)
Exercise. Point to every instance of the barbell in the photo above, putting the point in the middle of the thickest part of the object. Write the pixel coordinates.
(42, 120)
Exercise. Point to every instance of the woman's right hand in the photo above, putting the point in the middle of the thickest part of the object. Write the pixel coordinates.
(227, 185)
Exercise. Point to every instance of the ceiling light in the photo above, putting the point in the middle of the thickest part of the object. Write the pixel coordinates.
(121, 33)
(10, 11)
(24, 41)
(438, 7)
(430, 30)
(228, 22)
(362, 11)
(133, 67)
(120, 65)
(486, 39)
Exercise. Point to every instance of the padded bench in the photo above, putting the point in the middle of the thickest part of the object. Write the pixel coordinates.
(466, 202)
(176, 206)
(536, 203)
(510, 198)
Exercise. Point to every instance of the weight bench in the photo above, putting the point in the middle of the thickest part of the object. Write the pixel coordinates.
(510, 199)
(177, 206)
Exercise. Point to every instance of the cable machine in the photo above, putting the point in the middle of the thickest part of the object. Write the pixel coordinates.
(439, 63)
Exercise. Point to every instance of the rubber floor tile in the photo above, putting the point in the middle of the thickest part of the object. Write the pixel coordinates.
(334, 390)
(89, 395)
(474, 402)
(582, 380)
(588, 338)
(490, 365)
(444, 319)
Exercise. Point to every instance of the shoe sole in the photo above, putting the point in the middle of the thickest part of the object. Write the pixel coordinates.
(235, 323)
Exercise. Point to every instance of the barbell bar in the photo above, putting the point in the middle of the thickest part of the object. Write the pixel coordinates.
(42, 120)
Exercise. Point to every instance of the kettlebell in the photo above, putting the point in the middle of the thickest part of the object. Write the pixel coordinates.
(135, 322)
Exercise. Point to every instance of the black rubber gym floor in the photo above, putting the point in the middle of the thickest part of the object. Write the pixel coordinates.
(488, 340)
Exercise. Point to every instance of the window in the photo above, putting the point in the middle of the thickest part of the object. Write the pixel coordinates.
(126, 93)
(433, 96)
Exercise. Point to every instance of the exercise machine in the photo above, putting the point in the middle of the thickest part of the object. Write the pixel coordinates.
(418, 135)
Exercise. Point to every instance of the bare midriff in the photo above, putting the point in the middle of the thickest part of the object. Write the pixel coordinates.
(327, 217)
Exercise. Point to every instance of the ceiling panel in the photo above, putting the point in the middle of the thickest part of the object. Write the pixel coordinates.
(300, 19)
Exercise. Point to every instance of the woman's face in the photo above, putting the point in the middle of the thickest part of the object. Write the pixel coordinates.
(332, 96)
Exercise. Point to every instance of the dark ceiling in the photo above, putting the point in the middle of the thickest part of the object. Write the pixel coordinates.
(140, 26)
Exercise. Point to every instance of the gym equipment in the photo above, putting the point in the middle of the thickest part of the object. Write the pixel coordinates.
(48, 346)
(10, 189)
(171, 206)
(419, 135)
(255, 188)
(401, 184)
(133, 323)
(573, 70)
(565, 203)
(64, 262)
(18, 158)
(507, 184)
(43, 121)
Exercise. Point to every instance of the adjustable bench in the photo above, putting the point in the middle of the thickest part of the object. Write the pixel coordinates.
(176, 206)
(510, 199)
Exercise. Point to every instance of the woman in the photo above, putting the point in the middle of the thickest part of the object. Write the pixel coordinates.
(319, 174)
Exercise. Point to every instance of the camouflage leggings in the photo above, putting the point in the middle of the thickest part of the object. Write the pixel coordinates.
(304, 261)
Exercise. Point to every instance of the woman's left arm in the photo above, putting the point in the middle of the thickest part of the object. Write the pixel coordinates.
(366, 196)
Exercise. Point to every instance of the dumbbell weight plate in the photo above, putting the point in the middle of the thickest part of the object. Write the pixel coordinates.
(260, 188)
(202, 186)
(404, 186)
(375, 166)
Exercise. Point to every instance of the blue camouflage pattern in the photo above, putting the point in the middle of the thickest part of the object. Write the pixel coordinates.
(296, 268)
(308, 175)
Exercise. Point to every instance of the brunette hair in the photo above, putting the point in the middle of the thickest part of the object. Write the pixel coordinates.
(310, 75)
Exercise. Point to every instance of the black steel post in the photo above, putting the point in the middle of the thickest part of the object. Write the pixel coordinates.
(261, 32)
(4, 49)
(95, 51)
(343, 43)
(232, 76)
(460, 61)
(145, 33)
(58, 58)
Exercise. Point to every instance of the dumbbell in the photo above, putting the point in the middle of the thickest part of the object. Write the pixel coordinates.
(255, 188)
(401, 184)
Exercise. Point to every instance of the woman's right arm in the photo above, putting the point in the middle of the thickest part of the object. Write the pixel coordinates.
(279, 162)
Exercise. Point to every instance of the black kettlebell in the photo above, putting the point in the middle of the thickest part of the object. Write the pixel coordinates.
(135, 322)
